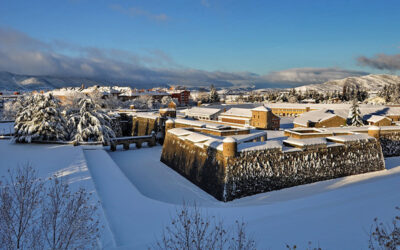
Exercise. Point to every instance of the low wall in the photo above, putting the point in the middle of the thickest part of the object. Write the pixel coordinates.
(260, 169)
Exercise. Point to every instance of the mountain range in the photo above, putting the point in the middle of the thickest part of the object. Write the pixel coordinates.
(367, 82)
(10, 81)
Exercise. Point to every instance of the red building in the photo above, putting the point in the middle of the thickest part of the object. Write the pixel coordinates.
(182, 96)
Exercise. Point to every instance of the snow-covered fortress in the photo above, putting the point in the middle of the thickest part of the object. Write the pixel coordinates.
(240, 165)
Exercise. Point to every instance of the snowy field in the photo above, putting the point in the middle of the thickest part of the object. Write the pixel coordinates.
(139, 194)
(6, 128)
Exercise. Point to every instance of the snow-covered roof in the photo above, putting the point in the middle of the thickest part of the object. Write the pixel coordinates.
(190, 122)
(198, 111)
(248, 137)
(349, 138)
(236, 118)
(306, 142)
(217, 126)
(315, 116)
(180, 131)
(242, 112)
(198, 137)
(262, 145)
(261, 108)
(377, 118)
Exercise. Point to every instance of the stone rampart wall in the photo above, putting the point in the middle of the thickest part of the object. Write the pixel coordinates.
(390, 142)
(144, 125)
(253, 172)
(202, 166)
(256, 171)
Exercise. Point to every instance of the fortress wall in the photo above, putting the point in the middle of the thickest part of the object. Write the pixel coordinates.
(202, 166)
(390, 142)
(250, 172)
(144, 125)
(253, 172)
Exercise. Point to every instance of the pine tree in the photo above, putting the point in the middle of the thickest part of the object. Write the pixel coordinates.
(92, 124)
(214, 97)
(355, 114)
(40, 120)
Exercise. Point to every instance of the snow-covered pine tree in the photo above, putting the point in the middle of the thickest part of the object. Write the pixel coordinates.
(92, 124)
(355, 114)
(214, 97)
(40, 120)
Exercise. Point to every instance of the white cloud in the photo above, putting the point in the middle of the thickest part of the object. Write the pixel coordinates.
(22, 54)
(138, 12)
(310, 75)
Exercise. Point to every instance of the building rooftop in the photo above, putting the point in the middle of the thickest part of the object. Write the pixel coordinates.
(201, 111)
(377, 118)
(261, 108)
(241, 112)
(315, 116)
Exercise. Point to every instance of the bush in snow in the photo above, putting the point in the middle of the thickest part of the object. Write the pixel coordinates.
(37, 214)
(191, 229)
(40, 120)
(91, 124)
(386, 236)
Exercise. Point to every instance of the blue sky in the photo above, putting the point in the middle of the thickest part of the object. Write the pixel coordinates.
(211, 35)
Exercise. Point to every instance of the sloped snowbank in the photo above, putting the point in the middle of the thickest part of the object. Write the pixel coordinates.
(337, 214)
(50, 160)
(139, 194)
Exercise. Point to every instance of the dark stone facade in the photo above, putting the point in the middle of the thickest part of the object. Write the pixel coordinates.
(257, 171)
(145, 125)
(203, 167)
(390, 143)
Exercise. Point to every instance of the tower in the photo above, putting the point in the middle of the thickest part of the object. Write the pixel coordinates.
(229, 147)
(374, 131)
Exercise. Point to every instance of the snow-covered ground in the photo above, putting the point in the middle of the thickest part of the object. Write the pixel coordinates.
(139, 194)
(50, 160)
(337, 214)
(6, 128)
(287, 122)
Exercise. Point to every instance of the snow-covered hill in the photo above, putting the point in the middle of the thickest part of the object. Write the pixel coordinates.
(368, 82)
